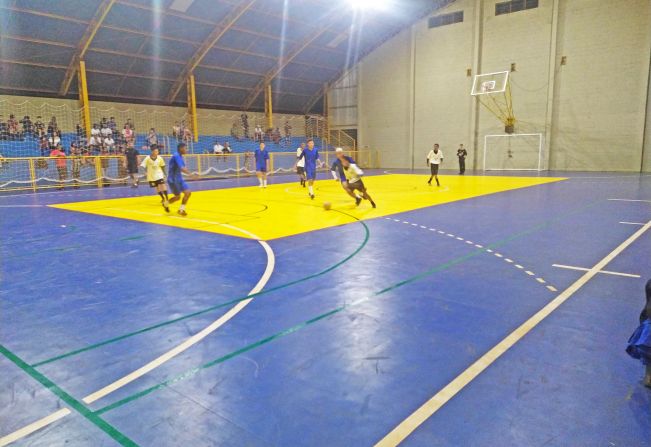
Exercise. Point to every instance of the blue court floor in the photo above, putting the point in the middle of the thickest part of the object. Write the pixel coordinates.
(355, 328)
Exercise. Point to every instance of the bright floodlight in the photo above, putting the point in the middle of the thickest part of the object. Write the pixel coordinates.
(370, 4)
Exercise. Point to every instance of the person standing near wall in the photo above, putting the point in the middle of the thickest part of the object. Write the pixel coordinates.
(434, 160)
(462, 154)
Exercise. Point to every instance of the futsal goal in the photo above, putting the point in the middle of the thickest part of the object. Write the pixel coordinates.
(514, 152)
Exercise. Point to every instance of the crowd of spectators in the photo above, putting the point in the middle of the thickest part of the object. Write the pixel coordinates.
(240, 131)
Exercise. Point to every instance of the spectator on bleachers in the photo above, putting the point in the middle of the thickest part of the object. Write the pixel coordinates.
(113, 126)
(39, 127)
(44, 145)
(217, 148)
(60, 162)
(54, 140)
(130, 124)
(105, 131)
(94, 144)
(128, 135)
(245, 125)
(12, 126)
(79, 132)
(227, 148)
(257, 134)
(103, 123)
(28, 127)
(187, 133)
(288, 131)
(52, 126)
(95, 131)
(176, 130)
(275, 136)
(4, 130)
(109, 144)
(234, 132)
(152, 138)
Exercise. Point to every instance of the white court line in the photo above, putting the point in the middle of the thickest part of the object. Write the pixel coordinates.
(583, 269)
(406, 427)
(529, 272)
(540, 280)
(158, 361)
(631, 223)
(629, 200)
(552, 288)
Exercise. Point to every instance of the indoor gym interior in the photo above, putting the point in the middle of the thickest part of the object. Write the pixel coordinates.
(492, 310)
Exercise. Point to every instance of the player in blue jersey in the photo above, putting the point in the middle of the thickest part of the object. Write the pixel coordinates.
(175, 179)
(262, 165)
(339, 175)
(311, 156)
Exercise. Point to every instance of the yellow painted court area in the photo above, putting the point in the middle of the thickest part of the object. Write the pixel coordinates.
(285, 209)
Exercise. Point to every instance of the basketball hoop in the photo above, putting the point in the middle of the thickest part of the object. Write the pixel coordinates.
(493, 90)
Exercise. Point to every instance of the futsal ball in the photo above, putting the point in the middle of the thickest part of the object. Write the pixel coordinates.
(327, 205)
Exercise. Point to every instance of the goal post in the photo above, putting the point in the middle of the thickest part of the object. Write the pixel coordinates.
(514, 152)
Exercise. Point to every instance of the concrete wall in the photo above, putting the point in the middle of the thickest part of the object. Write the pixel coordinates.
(162, 118)
(385, 93)
(591, 110)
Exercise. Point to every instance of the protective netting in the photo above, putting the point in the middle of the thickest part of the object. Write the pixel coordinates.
(34, 173)
(521, 152)
(34, 127)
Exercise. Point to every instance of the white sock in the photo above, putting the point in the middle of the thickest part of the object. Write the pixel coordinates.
(260, 180)
(182, 207)
(264, 182)
(309, 188)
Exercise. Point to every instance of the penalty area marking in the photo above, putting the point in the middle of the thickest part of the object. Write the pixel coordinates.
(158, 361)
(418, 417)
(632, 223)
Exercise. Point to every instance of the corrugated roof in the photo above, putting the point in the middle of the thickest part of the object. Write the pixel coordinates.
(142, 49)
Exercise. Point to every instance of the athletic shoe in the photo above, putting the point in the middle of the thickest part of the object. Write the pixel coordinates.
(373, 204)
(166, 205)
(429, 183)
(312, 196)
(182, 213)
(358, 200)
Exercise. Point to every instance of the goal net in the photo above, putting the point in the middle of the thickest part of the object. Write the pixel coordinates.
(513, 152)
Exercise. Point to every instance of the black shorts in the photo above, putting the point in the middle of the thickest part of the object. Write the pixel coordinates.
(300, 170)
(434, 168)
(155, 183)
(358, 185)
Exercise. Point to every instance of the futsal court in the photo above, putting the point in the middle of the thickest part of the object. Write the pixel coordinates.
(493, 310)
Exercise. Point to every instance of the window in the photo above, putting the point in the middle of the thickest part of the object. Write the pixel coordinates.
(446, 19)
(514, 6)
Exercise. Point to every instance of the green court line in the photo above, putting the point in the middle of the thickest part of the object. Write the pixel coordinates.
(68, 399)
(215, 307)
(459, 260)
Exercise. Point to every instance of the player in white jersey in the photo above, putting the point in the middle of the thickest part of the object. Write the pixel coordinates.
(300, 165)
(155, 166)
(434, 160)
(354, 181)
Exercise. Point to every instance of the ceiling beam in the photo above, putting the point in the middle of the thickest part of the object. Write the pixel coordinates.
(84, 43)
(286, 59)
(207, 45)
